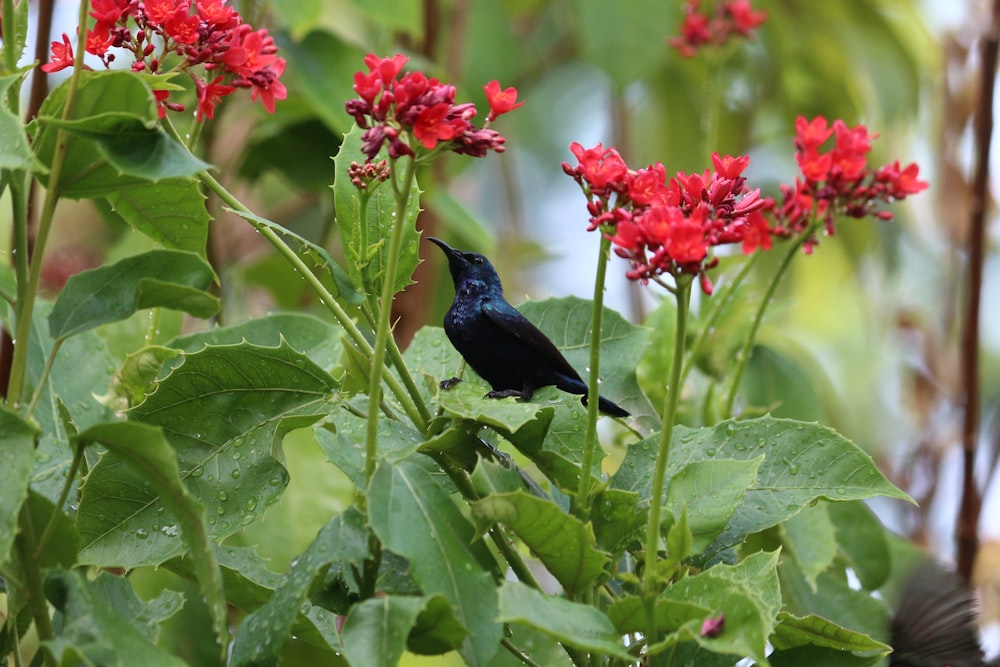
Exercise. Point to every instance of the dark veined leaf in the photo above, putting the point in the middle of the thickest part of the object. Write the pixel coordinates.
(146, 452)
(155, 279)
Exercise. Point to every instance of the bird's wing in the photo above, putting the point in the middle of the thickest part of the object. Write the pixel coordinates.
(517, 326)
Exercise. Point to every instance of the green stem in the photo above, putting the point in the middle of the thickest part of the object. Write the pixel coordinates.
(402, 191)
(45, 376)
(63, 495)
(721, 303)
(35, 592)
(743, 358)
(649, 575)
(582, 504)
(411, 402)
(27, 295)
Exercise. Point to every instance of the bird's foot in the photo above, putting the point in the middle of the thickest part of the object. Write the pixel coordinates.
(506, 393)
(449, 383)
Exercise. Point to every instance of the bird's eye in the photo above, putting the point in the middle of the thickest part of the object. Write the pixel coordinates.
(478, 261)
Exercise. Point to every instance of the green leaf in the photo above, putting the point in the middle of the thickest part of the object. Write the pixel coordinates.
(171, 212)
(67, 401)
(224, 411)
(342, 439)
(324, 266)
(634, 49)
(133, 146)
(710, 491)
(104, 623)
(862, 542)
(414, 517)
(115, 140)
(317, 339)
(62, 547)
(137, 377)
(376, 630)
(617, 520)
(747, 595)
(263, 633)
(803, 462)
(396, 16)
(564, 544)
(323, 73)
(578, 625)
(810, 538)
(17, 455)
(154, 279)
(366, 242)
(15, 153)
(146, 452)
(792, 632)
(832, 599)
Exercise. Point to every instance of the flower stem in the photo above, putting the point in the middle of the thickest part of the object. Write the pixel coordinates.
(670, 400)
(411, 401)
(582, 504)
(402, 190)
(721, 303)
(743, 358)
(26, 295)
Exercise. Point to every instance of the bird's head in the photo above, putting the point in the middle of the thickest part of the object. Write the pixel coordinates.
(469, 270)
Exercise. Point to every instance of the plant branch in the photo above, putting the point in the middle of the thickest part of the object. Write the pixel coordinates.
(967, 537)
(649, 575)
(743, 356)
(582, 503)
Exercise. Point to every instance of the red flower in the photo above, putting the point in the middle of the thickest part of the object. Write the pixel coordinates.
(182, 27)
(159, 11)
(217, 14)
(901, 183)
(811, 134)
(744, 19)
(500, 101)
(432, 125)
(62, 56)
(387, 68)
(839, 181)
(415, 110)
(730, 167)
(99, 40)
(734, 17)
(209, 95)
(601, 168)
(758, 233)
(266, 85)
(108, 12)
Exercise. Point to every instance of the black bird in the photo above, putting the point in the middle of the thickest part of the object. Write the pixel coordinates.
(935, 623)
(500, 344)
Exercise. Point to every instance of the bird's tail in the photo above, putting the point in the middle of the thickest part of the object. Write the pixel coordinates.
(575, 386)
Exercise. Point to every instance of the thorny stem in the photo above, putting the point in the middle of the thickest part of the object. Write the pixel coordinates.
(582, 504)
(649, 575)
(412, 403)
(26, 297)
(743, 358)
(402, 192)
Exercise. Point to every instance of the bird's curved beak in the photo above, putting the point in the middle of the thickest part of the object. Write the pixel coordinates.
(448, 250)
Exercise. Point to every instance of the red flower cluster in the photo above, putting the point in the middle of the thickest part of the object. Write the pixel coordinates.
(838, 181)
(731, 17)
(213, 35)
(668, 226)
(414, 109)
